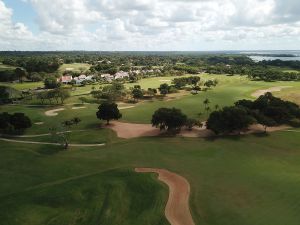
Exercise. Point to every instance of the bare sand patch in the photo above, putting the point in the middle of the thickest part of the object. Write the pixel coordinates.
(258, 128)
(264, 91)
(79, 107)
(54, 112)
(127, 107)
(177, 210)
(69, 69)
(39, 123)
(196, 132)
(132, 130)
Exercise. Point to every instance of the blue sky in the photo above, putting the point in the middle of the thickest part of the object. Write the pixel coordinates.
(149, 24)
(23, 12)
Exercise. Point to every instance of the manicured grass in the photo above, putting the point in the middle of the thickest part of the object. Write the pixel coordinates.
(6, 67)
(229, 90)
(251, 180)
(76, 67)
(24, 85)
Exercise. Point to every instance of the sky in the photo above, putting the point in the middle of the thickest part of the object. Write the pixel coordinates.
(149, 25)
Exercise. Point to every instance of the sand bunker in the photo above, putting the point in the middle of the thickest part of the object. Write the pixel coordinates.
(177, 210)
(53, 112)
(69, 69)
(39, 123)
(132, 130)
(264, 91)
(127, 107)
(79, 107)
(257, 128)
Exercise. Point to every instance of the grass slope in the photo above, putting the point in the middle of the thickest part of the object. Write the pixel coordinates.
(249, 180)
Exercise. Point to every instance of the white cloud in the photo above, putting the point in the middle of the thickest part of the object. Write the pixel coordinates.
(155, 24)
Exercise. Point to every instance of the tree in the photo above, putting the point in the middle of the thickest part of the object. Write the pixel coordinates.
(229, 119)
(4, 121)
(265, 121)
(210, 83)
(20, 121)
(62, 94)
(164, 89)
(4, 95)
(206, 103)
(194, 80)
(137, 92)
(108, 111)
(20, 73)
(168, 119)
(51, 83)
(76, 120)
(151, 92)
(190, 123)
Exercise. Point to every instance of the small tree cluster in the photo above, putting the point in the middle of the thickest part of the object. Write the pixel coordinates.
(51, 83)
(271, 111)
(59, 95)
(267, 110)
(181, 82)
(14, 122)
(172, 119)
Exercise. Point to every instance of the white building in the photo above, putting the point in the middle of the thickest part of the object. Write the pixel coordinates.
(107, 77)
(121, 75)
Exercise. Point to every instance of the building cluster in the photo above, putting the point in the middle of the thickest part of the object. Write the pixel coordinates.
(67, 79)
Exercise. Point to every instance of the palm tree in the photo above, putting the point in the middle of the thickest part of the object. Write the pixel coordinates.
(206, 102)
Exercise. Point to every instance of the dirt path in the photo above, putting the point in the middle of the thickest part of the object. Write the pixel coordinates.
(49, 143)
(258, 93)
(177, 210)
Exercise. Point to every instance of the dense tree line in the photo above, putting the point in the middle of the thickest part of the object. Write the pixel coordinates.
(267, 110)
(260, 73)
(281, 63)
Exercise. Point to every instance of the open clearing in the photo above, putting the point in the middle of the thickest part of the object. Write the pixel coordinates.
(272, 89)
(177, 210)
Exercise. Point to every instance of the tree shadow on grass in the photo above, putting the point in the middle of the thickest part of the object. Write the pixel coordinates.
(236, 137)
(49, 150)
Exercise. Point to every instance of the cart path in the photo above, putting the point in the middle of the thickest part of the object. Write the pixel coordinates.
(49, 143)
(177, 210)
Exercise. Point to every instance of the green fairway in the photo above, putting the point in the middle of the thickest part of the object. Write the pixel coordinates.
(74, 67)
(249, 180)
(229, 90)
(24, 85)
(6, 67)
